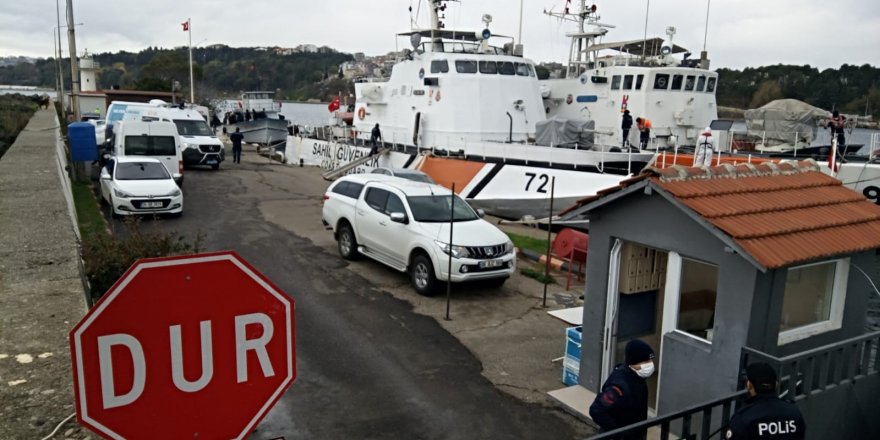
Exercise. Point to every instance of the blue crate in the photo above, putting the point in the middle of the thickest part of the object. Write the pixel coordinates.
(571, 362)
(83, 143)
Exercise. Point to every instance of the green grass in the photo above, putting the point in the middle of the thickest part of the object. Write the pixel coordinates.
(524, 242)
(88, 213)
(538, 275)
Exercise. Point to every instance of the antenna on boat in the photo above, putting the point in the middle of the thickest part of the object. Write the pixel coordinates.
(704, 56)
(645, 41)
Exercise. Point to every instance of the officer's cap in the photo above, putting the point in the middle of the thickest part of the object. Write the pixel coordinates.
(762, 376)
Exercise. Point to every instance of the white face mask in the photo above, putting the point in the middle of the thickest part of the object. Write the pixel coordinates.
(646, 370)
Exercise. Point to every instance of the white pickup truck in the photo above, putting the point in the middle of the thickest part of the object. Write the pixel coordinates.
(405, 225)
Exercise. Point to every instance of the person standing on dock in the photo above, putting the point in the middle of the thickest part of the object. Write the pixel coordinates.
(705, 148)
(623, 399)
(765, 415)
(236, 139)
(836, 125)
(625, 124)
(375, 135)
(644, 126)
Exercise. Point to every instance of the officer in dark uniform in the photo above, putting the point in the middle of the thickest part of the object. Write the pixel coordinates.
(626, 123)
(623, 399)
(765, 415)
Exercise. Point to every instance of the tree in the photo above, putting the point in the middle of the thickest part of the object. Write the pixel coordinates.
(769, 90)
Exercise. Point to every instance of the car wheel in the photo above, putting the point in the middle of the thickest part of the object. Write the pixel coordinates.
(422, 276)
(113, 213)
(347, 243)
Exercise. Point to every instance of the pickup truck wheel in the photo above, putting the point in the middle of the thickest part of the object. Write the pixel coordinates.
(422, 276)
(347, 243)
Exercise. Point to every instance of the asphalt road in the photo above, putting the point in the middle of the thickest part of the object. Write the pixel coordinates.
(368, 367)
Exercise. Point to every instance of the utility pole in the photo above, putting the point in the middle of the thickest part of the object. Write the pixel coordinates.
(58, 60)
(74, 63)
(192, 93)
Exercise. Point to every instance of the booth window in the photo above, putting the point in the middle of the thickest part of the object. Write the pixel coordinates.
(697, 299)
(813, 300)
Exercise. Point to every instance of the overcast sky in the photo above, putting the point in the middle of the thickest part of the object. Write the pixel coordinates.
(741, 33)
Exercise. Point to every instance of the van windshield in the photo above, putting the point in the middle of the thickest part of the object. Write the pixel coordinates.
(433, 209)
(144, 145)
(186, 127)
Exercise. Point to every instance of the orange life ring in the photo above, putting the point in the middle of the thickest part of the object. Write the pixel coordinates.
(362, 113)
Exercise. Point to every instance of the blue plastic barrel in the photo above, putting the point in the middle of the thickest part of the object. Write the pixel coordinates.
(83, 143)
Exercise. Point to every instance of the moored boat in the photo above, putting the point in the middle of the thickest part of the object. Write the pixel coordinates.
(257, 116)
(466, 112)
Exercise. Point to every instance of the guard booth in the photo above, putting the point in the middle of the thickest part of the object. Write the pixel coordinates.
(719, 267)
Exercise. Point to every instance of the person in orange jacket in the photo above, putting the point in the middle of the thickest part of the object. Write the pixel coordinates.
(644, 126)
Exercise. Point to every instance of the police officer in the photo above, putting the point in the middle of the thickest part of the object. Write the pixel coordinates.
(623, 399)
(765, 415)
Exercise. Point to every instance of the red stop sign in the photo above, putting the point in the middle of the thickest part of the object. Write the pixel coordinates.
(196, 347)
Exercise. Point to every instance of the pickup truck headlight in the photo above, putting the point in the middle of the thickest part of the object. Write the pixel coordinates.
(508, 247)
(456, 251)
(122, 194)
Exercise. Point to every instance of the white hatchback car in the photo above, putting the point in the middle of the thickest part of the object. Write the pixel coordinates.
(139, 185)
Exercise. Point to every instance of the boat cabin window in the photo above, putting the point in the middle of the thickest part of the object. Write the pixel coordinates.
(701, 83)
(689, 82)
(466, 66)
(676, 82)
(489, 67)
(615, 82)
(532, 71)
(627, 82)
(439, 66)
(522, 69)
(639, 79)
(506, 68)
(661, 81)
(710, 85)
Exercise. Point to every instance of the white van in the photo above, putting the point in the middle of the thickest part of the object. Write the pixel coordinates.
(156, 139)
(199, 145)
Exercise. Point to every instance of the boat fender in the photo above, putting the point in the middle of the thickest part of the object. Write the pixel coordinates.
(362, 113)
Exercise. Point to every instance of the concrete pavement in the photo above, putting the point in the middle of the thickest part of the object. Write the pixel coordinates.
(41, 292)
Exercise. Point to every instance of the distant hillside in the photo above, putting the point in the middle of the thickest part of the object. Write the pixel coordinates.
(218, 71)
(850, 89)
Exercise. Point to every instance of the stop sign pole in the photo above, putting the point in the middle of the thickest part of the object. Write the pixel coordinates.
(197, 347)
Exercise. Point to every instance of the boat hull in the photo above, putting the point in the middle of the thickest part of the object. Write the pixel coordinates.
(505, 188)
(262, 131)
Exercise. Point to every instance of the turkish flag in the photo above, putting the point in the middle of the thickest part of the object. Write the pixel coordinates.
(334, 105)
(185, 25)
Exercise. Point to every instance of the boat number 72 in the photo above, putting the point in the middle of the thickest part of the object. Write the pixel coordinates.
(542, 180)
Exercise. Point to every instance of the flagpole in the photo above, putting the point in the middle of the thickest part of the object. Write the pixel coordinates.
(192, 92)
